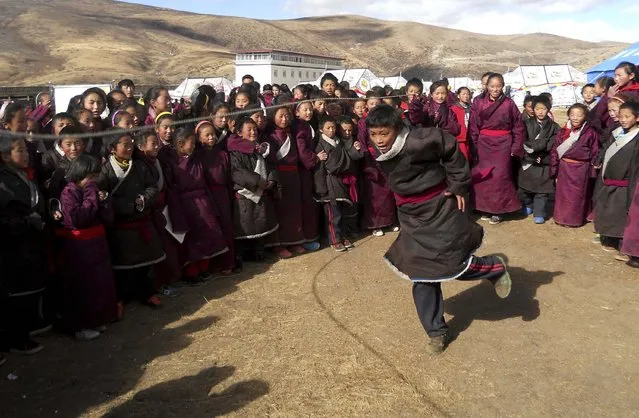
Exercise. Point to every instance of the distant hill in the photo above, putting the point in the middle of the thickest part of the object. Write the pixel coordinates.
(89, 41)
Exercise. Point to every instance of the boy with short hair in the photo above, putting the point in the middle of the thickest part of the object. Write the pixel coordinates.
(589, 96)
(429, 177)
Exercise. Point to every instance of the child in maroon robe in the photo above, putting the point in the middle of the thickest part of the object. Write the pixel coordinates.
(191, 208)
(462, 113)
(438, 109)
(598, 116)
(90, 300)
(572, 163)
(220, 123)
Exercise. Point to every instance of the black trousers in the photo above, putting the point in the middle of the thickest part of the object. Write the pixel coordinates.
(134, 284)
(341, 221)
(17, 315)
(538, 202)
(429, 299)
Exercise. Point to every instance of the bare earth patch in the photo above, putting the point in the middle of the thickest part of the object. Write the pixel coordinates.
(337, 335)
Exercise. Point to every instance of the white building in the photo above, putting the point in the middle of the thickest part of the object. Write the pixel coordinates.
(271, 66)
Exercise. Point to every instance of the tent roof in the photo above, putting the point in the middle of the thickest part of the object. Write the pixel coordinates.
(629, 54)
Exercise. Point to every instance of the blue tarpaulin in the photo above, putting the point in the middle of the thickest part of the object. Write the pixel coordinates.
(607, 68)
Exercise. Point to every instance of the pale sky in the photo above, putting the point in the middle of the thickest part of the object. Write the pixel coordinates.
(592, 20)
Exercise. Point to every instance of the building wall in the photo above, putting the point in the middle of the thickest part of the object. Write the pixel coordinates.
(277, 74)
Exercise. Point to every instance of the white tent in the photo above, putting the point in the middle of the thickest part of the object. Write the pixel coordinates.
(62, 94)
(457, 82)
(186, 88)
(562, 81)
(395, 82)
(361, 80)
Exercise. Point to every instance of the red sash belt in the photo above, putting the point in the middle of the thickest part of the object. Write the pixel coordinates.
(287, 168)
(616, 183)
(351, 181)
(494, 132)
(571, 161)
(424, 196)
(81, 234)
(143, 226)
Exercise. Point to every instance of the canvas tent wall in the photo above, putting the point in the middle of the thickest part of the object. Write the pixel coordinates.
(186, 87)
(562, 81)
(395, 82)
(607, 67)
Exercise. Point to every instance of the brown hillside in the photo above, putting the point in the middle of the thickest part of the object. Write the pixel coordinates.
(88, 41)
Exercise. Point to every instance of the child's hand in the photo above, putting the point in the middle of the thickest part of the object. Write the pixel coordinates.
(357, 145)
(261, 148)
(102, 195)
(322, 155)
(139, 203)
(57, 215)
(538, 160)
(461, 202)
(270, 185)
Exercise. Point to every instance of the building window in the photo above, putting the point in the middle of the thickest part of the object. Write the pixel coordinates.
(274, 73)
(284, 73)
(307, 74)
(300, 75)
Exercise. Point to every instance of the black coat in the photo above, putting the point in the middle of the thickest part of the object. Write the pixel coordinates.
(539, 139)
(329, 174)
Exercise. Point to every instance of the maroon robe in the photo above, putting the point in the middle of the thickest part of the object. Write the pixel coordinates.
(288, 209)
(308, 160)
(88, 283)
(377, 198)
(217, 171)
(573, 173)
(187, 193)
(630, 244)
(497, 134)
(442, 116)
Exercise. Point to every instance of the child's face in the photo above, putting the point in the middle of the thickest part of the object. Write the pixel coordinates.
(18, 123)
(259, 119)
(124, 148)
(305, 111)
(383, 137)
(319, 106)
(464, 96)
(372, 102)
(61, 124)
(151, 146)
(276, 91)
(334, 110)
(329, 87)
(528, 107)
(613, 110)
(220, 119)
(440, 94)
(162, 103)
(413, 92)
(249, 132)
(206, 136)
(329, 129)
(298, 94)
(118, 99)
(231, 125)
(627, 119)
(126, 121)
(241, 101)
(338, 93)
(94, 104)
(588, 94)
(346, 130)
(87, 121)
(282, 118)
(541, 111)
(577, 117)
(19, 156)
(484, 83)
(622, 77)
(186, 146)
(45, 99)
(72, 147)
(359, 108)
(165, 130)
(33, 126)
(131, 110)
(495, 88)
(128, 91)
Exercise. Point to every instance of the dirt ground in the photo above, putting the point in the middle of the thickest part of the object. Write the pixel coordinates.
(337, 335)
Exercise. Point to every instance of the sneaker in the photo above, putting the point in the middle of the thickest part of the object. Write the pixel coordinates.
(205, 276)
(539, 220)
(503, 285)
(528, 211)
(378, 233)
(194, 281)
(622, 257)
(395, 229)
(41, 329)
(436, 345)
(169, 291)
(340, 248)
(3, 359)
(633, 262)
(297, 249)
(87, 335)
(494, 220)
(154, 302)
(348, 244)
(283, 253)
(485, 218)
(596, 239)
(28, 347)
(311, 246)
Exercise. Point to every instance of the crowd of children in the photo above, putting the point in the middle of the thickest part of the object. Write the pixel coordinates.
(121, 208)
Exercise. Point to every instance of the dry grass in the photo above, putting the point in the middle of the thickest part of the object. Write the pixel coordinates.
(69, 41)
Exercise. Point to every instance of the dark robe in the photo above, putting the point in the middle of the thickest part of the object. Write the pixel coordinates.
(437, 240)
(378, 203)
(539, 142)
(442, 117)
(306, 143)
(88, 283)
(630, 243)
(188, 194)
(615, 188)
(251, 220)
(336, 178)
(54, 168)
(133, 240)
(289, 207)
(23, 256)
(573, 173)
(497, 134)
(217, 171)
